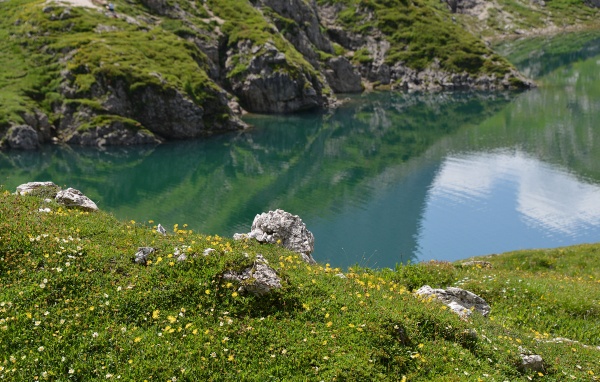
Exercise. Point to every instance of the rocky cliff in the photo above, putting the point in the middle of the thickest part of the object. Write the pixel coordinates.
(154, 70)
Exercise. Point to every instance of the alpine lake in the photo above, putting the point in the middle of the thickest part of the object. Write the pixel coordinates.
(386, 178)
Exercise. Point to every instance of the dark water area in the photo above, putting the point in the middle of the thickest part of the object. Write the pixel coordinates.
(384, 179)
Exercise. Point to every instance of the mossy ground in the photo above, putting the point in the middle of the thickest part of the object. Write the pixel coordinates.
(74, 306)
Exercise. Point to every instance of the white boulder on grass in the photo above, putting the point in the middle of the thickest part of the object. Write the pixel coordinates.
(74, 198)
(283, 228)
(460, 301)
(31, 187)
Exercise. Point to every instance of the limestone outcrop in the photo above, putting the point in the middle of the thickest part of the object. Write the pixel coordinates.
(270, 82)
(75, 199)
(189, 70)
(258, 279)
(22, 137)
(70, 197)
(282, 228)
(460, 301)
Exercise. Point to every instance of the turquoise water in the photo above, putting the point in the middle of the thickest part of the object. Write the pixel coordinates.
(387, 177)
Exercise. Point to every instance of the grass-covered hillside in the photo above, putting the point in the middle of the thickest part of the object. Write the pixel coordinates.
(156, 70)
(75, 306)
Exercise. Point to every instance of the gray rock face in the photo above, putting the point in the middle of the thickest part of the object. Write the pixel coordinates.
(269, 83)
(306, 32)
(531, 362)
(342, 77)
(40, 123)
(166, 111)
(258, 279)
(460, 301)
(280, 227)
(161, 111)
(142, 254)
(48, 189)
(74, 198)
(112, 134)
(22, 137)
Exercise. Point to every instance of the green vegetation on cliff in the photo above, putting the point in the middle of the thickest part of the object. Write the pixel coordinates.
(197, 56)
(74, 306)
(420, 32)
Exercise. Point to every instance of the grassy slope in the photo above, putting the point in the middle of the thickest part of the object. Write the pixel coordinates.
(121, 50)
(73, 306)
(418, 32)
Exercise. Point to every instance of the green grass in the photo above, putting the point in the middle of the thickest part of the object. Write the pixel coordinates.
(74, 306)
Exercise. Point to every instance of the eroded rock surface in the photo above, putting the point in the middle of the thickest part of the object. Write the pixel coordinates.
(460, 301)
(22, 137)
(47, 189)
(283, 228)
(75, 198)
(258, 279)
(142, 254)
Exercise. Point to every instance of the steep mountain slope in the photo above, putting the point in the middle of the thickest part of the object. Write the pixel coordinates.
(156, 69)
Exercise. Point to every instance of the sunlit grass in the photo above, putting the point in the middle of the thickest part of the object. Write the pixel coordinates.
(74, 305)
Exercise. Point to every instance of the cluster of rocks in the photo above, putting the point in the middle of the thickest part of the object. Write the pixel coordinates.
(274, 227)
(70, 197)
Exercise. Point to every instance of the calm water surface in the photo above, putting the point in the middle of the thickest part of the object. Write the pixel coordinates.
(386, 178)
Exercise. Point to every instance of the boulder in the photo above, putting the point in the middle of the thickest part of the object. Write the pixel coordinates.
(342, 77)
(142, 254)
(531, 362)
(280, 227)
(22, 137)
(74, 198)
(460, 301)
(160, 229)
(46, 189)
(258, 279)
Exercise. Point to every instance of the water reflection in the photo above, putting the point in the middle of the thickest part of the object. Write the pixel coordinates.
(386, 178)
(357, 176)
(493, 202)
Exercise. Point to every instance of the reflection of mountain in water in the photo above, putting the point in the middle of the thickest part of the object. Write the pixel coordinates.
(360, 161)
(538, 56)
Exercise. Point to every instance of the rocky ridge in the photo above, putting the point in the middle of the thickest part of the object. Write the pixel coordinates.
(114, 82)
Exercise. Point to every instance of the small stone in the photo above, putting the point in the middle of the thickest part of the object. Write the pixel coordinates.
(160, 229)
(208, 251)
(477, 263)
(532, 362)
(258, 279)
(141, 256)
(74, 198)
(460, 301)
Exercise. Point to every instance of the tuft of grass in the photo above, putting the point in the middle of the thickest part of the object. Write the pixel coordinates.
(74, 305)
